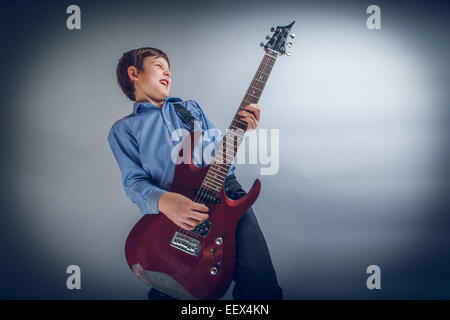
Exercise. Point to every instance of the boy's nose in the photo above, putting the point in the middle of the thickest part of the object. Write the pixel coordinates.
(167, 72)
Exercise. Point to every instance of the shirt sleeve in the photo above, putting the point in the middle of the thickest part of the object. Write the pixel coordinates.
(136, 182)
(216, 134)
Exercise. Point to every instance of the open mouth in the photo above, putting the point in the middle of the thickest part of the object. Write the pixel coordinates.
(164, 82)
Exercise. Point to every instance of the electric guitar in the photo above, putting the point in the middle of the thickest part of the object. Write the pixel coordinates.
(199, 264)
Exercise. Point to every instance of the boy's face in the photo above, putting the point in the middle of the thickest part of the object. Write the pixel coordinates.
(154, 83)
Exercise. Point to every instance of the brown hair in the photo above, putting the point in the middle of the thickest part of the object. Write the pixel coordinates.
(134, 58)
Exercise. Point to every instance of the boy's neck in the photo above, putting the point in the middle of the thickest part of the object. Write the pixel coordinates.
(159, 104)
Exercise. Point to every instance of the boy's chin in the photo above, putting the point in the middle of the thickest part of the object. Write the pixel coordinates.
(163, 93)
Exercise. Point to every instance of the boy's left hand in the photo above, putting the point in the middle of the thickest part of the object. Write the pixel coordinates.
(251, 115)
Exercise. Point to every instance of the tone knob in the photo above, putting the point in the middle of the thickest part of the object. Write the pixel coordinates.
(213, 271)
(219, 241)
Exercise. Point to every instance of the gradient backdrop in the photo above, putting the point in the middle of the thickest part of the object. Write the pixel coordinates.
(364, 140)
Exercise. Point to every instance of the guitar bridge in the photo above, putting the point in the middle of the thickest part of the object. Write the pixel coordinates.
(186, 243)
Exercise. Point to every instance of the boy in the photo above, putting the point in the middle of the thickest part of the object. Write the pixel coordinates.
(142, 143)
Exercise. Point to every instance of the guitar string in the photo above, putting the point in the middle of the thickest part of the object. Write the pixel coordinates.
(202, 194)
(263, 65)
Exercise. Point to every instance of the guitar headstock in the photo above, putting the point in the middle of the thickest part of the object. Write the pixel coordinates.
(277, 43)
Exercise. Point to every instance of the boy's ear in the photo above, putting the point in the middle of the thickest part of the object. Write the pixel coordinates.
(133, 73)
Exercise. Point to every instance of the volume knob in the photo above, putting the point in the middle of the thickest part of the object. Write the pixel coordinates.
(213, 271)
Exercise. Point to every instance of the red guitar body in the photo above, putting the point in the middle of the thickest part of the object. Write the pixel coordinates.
(208, 274)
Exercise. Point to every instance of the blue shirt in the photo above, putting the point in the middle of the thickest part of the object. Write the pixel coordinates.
(142, 144)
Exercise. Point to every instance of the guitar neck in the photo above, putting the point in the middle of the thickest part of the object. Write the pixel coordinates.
(217, 173)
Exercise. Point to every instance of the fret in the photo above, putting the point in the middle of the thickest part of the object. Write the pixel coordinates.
(256, 88)
(242, 126)
(261, 76)
(224, 174)
(218, 181)
(247, 96)
(221, 158)
(227, 147)
(232, 147)
(252, 96)
(257, 85)
(226, 154)
(213, 175)
(238, 125)
(267, 65)
(233, 135)
(240, 122)
(227, 160)
(220, 167)
(221, 162)
(259, 81)
(266, 74)
(270, 56)
(237, 121)
(247, 101)
(206, 188)
(211, 185)
(265, 69)
(217, 169)
(230, 156)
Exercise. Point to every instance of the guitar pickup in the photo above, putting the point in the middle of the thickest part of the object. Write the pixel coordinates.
(202, 229)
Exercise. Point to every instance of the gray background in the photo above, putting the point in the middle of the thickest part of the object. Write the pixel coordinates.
(364, 140)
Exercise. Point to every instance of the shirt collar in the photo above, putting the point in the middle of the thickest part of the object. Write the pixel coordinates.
(139, 107)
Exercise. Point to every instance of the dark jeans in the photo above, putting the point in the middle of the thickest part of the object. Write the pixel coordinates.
(254, 274)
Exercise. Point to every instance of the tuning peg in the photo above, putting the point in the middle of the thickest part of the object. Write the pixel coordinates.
(272, 29)
(292, 35)
(288, 53)
(289, 44)
(267, 37)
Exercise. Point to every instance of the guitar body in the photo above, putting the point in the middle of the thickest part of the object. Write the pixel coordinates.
(207, 274)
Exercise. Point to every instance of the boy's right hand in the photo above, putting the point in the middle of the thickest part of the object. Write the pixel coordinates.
(181, 210)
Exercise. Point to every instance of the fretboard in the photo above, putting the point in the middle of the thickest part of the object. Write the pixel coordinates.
(217, 172)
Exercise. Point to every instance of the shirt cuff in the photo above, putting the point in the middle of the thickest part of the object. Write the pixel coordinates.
(149, 204)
